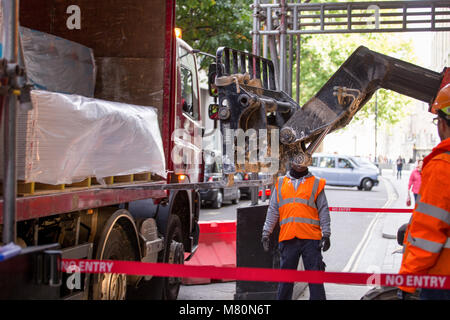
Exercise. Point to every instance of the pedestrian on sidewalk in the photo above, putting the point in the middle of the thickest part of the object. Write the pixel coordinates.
(427, 237)
(415, 179)
(399, 167)
(300, 206)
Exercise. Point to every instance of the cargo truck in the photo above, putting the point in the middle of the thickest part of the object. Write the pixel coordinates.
(139, 61)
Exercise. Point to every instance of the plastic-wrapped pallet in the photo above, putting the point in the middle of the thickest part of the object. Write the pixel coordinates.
(56, 64)
(71, 137)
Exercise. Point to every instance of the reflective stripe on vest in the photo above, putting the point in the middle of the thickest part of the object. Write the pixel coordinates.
(427, 245)
(280, 184)
(433, 211)
(299, 220)
(309, 202)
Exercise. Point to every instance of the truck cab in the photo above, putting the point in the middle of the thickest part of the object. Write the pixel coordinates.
(187, 154)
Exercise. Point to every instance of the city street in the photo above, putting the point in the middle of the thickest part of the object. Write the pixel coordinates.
(130, 132)
(358, 242)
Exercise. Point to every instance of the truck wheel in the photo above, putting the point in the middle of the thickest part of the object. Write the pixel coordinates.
(217, 204)
(173, 253)
(367, 184)
(109, 286)
(236, 201)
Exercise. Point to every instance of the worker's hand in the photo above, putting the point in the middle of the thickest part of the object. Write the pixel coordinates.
(325, 243)
(265, 243)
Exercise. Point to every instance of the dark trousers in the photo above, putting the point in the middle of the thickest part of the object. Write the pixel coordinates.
(434, 294)
(309, 250)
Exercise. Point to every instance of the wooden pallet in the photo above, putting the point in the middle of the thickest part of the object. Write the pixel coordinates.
(35, 188)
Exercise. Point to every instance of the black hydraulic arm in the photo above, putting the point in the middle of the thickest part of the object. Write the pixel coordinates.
(353, 84)
(254, 102)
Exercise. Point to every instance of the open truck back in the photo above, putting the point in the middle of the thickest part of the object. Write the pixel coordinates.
(138, 61)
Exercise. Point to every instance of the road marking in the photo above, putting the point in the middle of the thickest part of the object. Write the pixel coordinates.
(355, 258)
(358, 249)
(391, 191)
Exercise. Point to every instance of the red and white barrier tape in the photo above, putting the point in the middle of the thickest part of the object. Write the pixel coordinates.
(253, 274)
(375, 210)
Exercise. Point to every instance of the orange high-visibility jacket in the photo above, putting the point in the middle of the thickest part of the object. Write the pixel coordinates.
(299, 216)
(427, 238)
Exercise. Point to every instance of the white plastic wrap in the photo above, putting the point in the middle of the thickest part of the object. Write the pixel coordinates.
(71, 137)
(56, 64)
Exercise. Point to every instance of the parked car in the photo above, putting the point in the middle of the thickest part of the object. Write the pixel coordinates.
(216, 197)
(245, 191)
(363, 162)
(340, 170)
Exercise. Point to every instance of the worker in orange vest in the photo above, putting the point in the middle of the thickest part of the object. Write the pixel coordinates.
(427, 237)
(298, 203)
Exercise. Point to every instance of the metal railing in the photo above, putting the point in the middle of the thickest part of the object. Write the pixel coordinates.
(278, 27)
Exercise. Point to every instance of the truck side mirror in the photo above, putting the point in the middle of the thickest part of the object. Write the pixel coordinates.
(213, 111)
(212, 89)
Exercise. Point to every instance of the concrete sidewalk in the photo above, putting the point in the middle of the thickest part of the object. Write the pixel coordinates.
(400, 189)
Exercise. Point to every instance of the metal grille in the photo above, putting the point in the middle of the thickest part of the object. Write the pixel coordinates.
(356, 17)
(231, 61)
(277, 27)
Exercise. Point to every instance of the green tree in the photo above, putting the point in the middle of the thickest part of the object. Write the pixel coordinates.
(209, 24)
(322, 55)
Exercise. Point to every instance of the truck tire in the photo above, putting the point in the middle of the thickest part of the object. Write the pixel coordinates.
(217, 204)
(108, 286)
(173, 253)
(236, 201)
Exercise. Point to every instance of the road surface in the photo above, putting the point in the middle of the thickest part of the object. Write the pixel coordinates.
(354, 236)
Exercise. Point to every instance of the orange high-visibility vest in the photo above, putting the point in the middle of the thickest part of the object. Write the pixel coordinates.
(299, 217)
(427, 238)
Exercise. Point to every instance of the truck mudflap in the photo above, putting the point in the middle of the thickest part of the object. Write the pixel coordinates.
(249, 99)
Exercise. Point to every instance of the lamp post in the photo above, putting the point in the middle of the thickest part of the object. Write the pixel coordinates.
(376, 125)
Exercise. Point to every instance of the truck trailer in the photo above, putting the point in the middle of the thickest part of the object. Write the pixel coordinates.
(139, 61)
